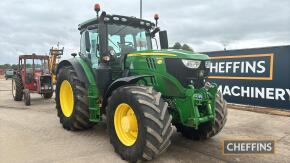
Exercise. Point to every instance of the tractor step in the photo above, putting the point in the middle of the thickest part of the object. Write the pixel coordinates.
(94, 109)
(94, 114)
(93, 99)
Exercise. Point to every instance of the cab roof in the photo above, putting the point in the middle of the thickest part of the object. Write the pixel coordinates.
(118, 19)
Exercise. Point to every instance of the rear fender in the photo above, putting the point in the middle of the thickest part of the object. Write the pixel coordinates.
(86, 76)
(76, 66)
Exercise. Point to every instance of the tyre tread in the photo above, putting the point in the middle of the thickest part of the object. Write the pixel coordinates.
(156, 117)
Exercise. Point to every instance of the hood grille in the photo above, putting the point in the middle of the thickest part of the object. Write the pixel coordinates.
(151, 63)
(185, 75)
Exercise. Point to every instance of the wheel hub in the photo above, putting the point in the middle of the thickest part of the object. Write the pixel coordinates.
(126, 125)
(66, 98)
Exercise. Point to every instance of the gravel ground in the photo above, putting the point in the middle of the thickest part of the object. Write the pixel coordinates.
(34, 134)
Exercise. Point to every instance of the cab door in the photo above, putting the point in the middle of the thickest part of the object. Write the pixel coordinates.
(89, 47)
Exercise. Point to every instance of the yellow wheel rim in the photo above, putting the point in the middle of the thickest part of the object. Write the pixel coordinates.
(66, 98)
(126, 125)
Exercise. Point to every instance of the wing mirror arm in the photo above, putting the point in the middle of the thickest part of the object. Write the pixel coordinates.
(153, 33)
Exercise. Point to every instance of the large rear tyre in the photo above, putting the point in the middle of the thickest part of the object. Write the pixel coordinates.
(207, 130)
(71, 100)
(139, 123)
(17, 88)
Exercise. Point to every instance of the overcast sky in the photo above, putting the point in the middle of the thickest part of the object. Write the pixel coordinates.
(29, 26)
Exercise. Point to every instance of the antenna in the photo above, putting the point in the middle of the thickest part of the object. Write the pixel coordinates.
(141, 6)
(225, 45)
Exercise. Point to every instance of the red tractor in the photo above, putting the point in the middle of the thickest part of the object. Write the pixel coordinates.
(32, 76)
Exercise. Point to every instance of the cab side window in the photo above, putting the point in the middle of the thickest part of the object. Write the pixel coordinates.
(94, 52)
(88, 46)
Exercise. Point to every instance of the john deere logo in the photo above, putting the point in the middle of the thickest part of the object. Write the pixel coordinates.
(244, 67)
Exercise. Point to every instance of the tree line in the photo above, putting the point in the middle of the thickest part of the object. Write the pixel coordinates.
(9, 66)
(178, 45)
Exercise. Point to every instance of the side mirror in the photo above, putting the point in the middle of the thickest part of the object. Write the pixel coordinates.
(87, 39)
(74, 54)
(163, 39)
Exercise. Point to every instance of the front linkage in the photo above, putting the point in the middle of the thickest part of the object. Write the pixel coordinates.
(198, 106)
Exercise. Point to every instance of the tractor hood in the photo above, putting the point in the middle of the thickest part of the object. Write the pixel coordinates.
(171, 53)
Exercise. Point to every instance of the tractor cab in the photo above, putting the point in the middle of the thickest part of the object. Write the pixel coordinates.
(33, 76)
(109, 38)
(34, 68)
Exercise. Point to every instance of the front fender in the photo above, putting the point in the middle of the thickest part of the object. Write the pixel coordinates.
(121, 82)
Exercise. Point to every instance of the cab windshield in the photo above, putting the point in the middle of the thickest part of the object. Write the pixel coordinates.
(124, 39)
(121, 40)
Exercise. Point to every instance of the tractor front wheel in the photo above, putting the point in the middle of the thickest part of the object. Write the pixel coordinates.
(139, 123)
(71, 100)
(26, 97)
(207, 130)
(17, 88)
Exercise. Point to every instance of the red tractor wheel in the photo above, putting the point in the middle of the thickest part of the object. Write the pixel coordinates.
(27, 97)
(17, 88)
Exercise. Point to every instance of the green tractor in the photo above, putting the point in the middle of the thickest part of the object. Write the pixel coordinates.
(140, 92)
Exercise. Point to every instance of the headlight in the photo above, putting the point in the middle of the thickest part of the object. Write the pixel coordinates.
(191, 63)
(207, 64)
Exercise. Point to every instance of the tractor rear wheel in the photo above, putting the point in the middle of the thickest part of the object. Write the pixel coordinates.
(71, 100)
(47, 95)
(17, 88)
(207, 130)
(139, 123)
